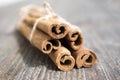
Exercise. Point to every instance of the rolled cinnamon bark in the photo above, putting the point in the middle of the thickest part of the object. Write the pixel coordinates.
(53, 27)
(73, 40)
(63, 59)
(39, 39)
(84, 57)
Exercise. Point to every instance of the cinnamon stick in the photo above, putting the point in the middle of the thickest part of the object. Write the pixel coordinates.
(39, 39)
(52, 26)
(84, 57)
(63, 59)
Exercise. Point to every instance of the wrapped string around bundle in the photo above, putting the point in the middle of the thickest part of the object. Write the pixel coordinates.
(48, 22)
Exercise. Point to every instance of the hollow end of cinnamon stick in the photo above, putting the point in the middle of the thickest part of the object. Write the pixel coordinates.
(55, 44)
(84, 57)
(63, 59)
(90, 59)
(46, 47)
(76, 39)
(58, 30)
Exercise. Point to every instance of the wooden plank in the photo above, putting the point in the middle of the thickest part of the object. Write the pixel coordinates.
(100, 25)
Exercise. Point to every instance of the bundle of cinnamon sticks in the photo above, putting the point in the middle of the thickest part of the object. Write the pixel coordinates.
(54, 36)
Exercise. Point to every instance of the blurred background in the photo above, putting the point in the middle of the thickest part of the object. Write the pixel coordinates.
(97, 13)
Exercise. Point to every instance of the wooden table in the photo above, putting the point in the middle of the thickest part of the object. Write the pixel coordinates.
(99, 21)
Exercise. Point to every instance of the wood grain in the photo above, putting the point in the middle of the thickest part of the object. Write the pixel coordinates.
(100, 24)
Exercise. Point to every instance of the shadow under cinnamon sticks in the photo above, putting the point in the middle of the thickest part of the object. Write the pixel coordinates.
(61, 57)
(31, 56)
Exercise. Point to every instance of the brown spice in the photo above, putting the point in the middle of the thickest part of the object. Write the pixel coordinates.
(45, 39)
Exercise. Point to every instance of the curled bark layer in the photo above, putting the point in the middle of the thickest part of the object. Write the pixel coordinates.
(84, 57)
(75, 39)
